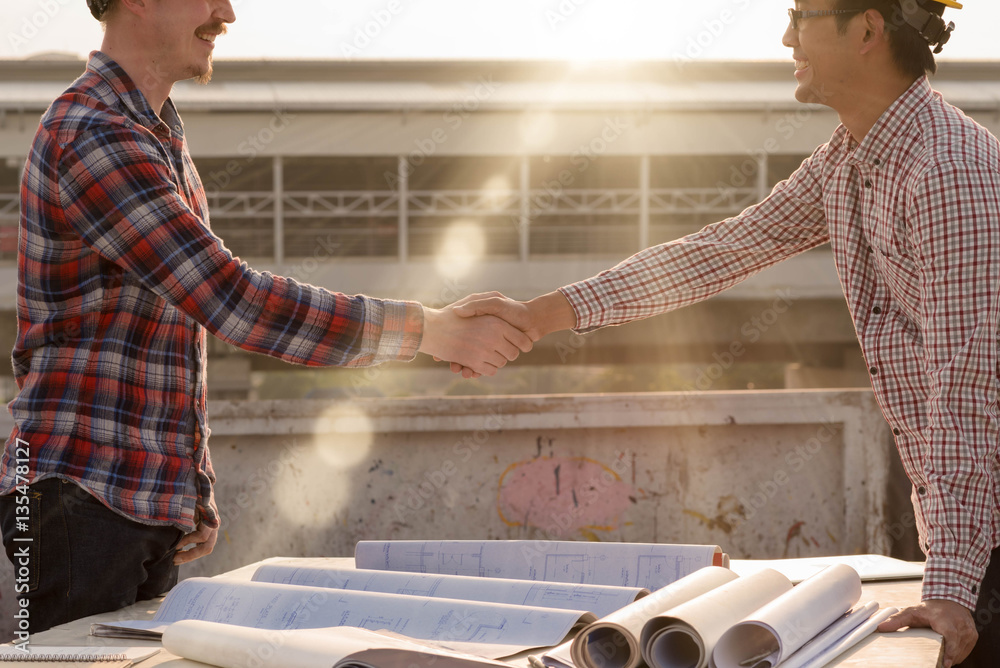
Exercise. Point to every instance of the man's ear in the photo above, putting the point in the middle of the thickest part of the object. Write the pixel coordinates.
(873, 24)
(137, 7)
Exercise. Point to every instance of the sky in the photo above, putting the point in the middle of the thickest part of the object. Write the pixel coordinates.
(579, 30)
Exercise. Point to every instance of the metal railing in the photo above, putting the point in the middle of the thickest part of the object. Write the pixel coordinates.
(367, 223)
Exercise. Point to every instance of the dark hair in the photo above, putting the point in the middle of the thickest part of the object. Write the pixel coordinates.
(910, 52)
(101, 9)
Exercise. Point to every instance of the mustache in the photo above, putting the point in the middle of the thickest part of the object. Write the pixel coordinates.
(217, 27)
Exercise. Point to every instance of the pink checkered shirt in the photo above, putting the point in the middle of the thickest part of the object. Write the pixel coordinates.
(913, 217)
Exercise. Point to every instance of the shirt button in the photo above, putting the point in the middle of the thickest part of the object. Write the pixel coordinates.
(921, 490)
(877, 162)
(975, 589)
(896, 431)
(874, 370)
(870, 250)
(877, 310)
(868, 183)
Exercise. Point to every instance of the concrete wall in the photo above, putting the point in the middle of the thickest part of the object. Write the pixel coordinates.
(763, 474)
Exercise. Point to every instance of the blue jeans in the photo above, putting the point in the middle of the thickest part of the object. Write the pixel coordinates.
(82, 558)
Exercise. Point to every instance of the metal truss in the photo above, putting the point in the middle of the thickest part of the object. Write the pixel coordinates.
(9, 206)
(385, 203)
(702, 200)
(341, 204)
(258, 204)
(464, 203)
(453, 203)
(551, 208)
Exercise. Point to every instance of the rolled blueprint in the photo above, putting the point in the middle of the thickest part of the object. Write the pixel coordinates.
(496, 629)
(772, 633)
(647, 565)
(232, 646)
(613, 641)
(685, 636)
(833, 634)
(841, 645)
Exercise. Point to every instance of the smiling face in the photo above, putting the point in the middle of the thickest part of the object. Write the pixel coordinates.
(182, 36)
(823, 63)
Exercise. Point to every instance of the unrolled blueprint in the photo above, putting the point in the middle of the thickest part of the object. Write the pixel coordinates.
(264, 605)
(645, 565)
(601, 600)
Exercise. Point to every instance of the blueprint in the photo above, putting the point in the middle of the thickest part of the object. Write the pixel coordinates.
(231, 646)
(265, 605)
(601, 600)
(624, 627)
(646, 565)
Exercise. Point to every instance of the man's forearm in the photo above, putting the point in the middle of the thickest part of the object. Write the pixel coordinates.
(550, 313)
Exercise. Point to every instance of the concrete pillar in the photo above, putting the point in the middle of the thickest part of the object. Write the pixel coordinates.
(404, 212)
(643, 202)
(763, 189)
(524, 222)
(279, 209)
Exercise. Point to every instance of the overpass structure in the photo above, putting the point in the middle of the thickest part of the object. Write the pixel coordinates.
(429, 180)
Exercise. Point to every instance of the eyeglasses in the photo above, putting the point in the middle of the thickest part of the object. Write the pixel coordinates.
(796, 15)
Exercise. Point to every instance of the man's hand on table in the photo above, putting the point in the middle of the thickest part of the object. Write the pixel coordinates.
(952, 620)
(203, 538)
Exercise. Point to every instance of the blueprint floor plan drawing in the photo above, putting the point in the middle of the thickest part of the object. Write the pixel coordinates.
(645, 565)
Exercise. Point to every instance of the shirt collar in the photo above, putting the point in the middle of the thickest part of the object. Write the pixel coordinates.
(878, 143)
(131, 97)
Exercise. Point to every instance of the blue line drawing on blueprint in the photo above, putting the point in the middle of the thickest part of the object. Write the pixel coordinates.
(419, 587)
(647, 565)
(651, 571)
(600, 599)
(455, 560)
(379, 622)
(571, 567)
(578, 598)
(656, 571)
(473, 627)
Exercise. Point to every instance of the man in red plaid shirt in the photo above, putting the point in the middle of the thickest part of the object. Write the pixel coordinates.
(907, 192)
(106, 476)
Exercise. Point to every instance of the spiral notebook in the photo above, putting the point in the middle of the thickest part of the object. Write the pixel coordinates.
(62, 657)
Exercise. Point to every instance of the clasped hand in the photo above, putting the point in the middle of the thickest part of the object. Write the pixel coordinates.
(474, 343)
(484, 331)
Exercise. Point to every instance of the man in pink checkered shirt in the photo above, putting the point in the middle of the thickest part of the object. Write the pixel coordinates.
(907, 192)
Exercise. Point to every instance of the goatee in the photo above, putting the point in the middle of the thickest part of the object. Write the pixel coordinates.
(206, 76)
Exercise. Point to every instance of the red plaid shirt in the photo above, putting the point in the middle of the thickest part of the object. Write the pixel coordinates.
(119, 276)
(913, 217)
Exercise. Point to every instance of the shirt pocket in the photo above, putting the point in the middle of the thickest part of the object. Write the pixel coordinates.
(909, 331)
(886, 232)
(884, 228)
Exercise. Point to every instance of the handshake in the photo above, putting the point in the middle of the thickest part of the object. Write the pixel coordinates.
(482, 332)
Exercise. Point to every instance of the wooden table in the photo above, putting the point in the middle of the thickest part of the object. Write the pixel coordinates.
(913, 648)
(916, 648)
